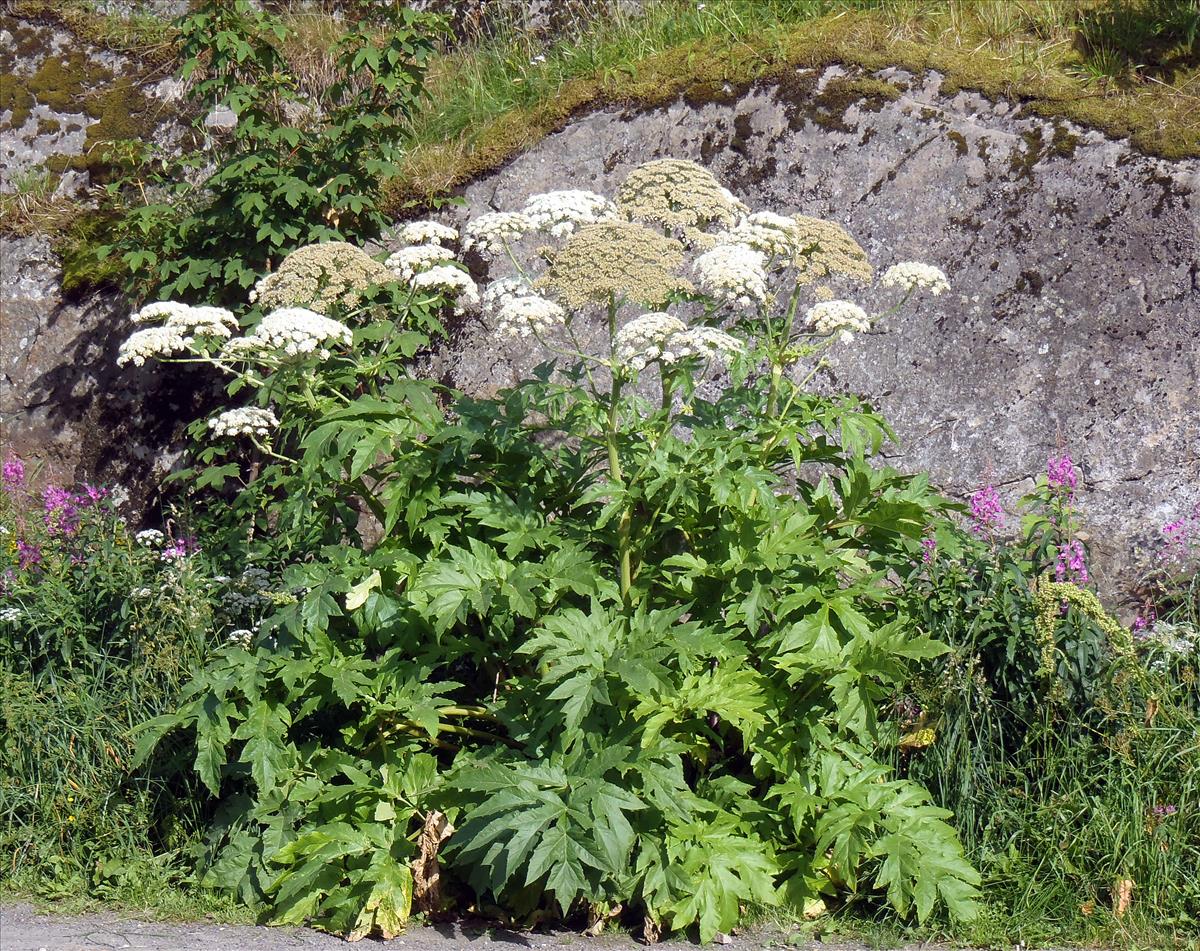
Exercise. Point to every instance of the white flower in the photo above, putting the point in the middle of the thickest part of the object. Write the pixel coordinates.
(774, 235)
(523, 316)
(911, 275)
(244, 421)
(704, 342)
(149, 537)
(408, 262)
(158, 310)
(188, 320)
(645, 339)
(151, 342)
(496, 294)
(426, 232)
(560, 212)
(8, 615)
(452, 282)
(241, 637)
(295, 331)
(733, 273)
(491, 233)
(838, 315)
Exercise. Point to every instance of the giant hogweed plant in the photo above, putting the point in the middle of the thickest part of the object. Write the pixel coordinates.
(611, 643)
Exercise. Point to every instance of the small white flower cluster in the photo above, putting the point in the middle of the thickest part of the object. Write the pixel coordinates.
(838, 315)
(647, 338)
(561, 212)
(451, 281)
(143, 345)
(410, 261)
(189, 320)
(150, 538)
(426, 232)
(8, 615)
(911, 275)
(296, 331)
(498, 293)
(244, 421)
(528, 315)
(241, 637)
(774, 235)
(491, 233)
(707, 342)
(733, 273)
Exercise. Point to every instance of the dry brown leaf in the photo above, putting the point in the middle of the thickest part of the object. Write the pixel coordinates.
(1122, 896)
(427, 871)
(1151, 710)
(651, 932)
(1088, 908)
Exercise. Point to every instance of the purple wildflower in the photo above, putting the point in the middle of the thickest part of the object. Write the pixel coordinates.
(180, 548)
(27, 555)
(1062, 474)
(61, 510)
(1167, 809)
(1177, 535)
(1144, 621)
(986, 510)
(92, 493)
(1070, 565)
(12, 473)
(929, 549)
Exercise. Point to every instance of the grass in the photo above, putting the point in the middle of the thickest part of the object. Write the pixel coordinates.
(1098, 63)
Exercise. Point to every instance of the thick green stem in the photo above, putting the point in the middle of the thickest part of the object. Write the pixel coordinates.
(625, 525)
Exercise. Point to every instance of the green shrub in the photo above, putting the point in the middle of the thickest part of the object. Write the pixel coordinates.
(292, 170)
(611, 640)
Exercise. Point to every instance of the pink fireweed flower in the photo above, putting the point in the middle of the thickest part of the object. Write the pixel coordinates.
(1144, 621)
(1062, 474)
(1176, 534)
(929, 549)
(180, 548)
(12, 473)
(28, 555)
(61, 509)
(987, 511)
(1070, 565)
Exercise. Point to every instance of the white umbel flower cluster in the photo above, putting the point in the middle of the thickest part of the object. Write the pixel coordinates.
(498, 293)
(839, 316)
(707, 342)
(647, 338)
(150, 342)
(176, 334)
(528, 315)
(294, 331)
(451, 281)
(733, 273)
(150, 538)
(244, 421)
(774, 235)
(561, 212)
(410, 261)
(492, 232)
(426, 232)
(912, 275)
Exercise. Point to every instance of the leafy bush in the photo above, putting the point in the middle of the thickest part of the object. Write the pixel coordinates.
(280, 169)
(614, 639)
(1066, 746)
(98, 630)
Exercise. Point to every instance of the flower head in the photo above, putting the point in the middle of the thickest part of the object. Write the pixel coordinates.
(912, 275)
(646, 339)
(826, 249)
(142, 345)
(292, 332)
(179, 549)
(1061, 473)
(837, 316)
(986, 510)
(149, 538)
(408, 262)
(733, 273)
(496, 294)
(679, 194)
(426, 232)
(706, 342)
(453, 282)
(928, 549)
(12, 473)
(28, 554)
(1070, 564)
(491, 233)
(320, 276)
(561, 212)
(529, 315)
(244, 421)
(615, 259)
(774, 235)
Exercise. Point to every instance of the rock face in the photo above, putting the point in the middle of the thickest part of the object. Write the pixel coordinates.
(1074, 320)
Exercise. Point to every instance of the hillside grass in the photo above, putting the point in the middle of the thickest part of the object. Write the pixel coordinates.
(1130, 69)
